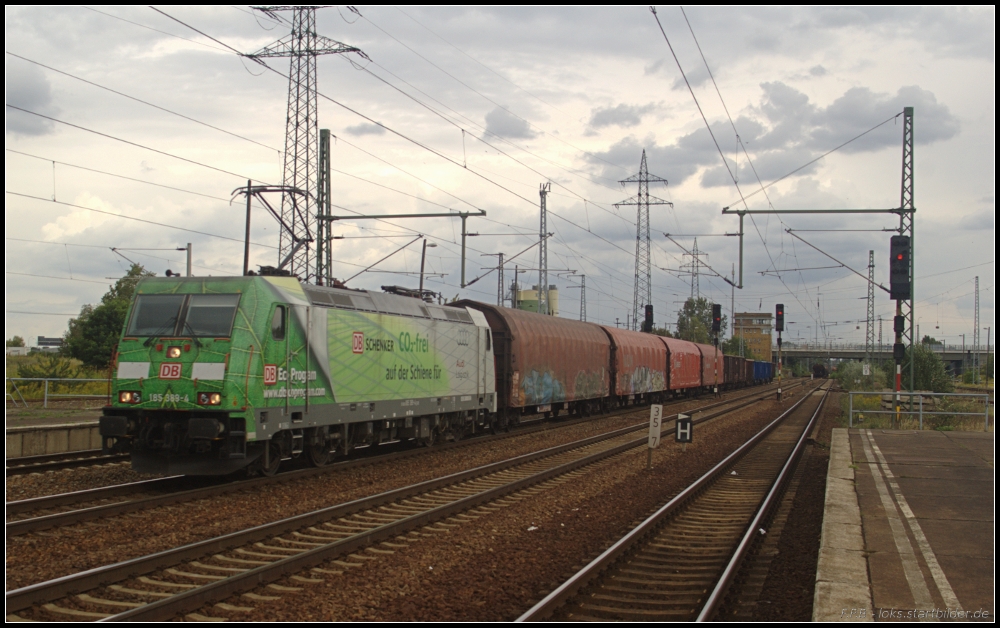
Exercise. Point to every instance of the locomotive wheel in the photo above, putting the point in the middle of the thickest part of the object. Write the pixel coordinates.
(430, 440)
(270, 470)
(318, 455)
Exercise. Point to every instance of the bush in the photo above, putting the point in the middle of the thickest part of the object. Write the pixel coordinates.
(851, 377)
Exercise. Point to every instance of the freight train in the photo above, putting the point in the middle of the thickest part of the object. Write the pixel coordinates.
(217, 375)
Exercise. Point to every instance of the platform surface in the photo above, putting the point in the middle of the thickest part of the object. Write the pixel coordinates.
(908, 531)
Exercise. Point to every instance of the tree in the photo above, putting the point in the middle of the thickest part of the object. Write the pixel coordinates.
(91, 337)
(662, 331)
(694, 321)
(928, 370)
(928, 340)
(16, 341)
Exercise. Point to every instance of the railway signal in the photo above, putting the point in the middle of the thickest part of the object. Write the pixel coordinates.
(899, 268)
(647, 324)
(900, 289)
(716, 318)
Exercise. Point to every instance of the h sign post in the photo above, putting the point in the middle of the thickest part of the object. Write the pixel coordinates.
(685, 430)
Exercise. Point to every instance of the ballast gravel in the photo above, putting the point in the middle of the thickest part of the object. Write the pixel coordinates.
(497, 565)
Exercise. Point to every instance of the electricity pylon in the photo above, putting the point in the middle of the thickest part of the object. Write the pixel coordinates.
(643, 293)
(298, 211)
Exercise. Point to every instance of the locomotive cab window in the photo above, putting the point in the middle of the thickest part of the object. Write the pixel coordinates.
(278, 323)
(211, 314)
(183, 315)
(155, 314)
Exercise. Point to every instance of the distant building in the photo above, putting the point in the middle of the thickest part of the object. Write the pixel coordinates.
(527, 300)
(17, 350)
(755, 329)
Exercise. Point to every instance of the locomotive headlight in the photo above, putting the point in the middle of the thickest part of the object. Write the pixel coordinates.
(209, 399)
(173, 352)
(129, 396)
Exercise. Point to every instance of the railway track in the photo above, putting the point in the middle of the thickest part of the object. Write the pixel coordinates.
(56, 462)
(171, 583)
(679, 564)
(43, 513)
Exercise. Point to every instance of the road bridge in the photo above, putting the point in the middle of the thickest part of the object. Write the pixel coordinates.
(956, 357)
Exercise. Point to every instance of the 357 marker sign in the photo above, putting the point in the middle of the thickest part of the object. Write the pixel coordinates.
(655, 423)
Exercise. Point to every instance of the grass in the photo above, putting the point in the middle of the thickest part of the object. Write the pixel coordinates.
(871, 413)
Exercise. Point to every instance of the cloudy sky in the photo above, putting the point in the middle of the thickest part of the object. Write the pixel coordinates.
(126, 129)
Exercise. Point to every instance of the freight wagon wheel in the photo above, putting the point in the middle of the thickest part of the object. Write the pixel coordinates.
(501, 423)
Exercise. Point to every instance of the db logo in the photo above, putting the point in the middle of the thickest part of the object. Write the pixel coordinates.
(359, 342)
(170, 370)
(270, 374)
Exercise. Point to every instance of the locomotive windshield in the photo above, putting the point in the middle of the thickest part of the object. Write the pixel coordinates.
(183, 315)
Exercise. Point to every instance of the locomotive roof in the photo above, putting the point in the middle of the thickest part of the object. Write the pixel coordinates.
(383, 303)
(337, 298)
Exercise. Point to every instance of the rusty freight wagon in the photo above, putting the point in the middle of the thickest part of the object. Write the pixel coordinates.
(638, 364)
(546, 364)
(713, 367)
(683, 365)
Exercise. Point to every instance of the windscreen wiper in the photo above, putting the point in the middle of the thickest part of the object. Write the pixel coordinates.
(171, 322)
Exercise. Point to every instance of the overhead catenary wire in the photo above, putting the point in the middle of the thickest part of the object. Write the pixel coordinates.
(144, 102)
(723, 156)
(501, 76)
(397, 133)
(109, 248)
(230, 48)
(127, 217)
(137, 145)
(487, 98)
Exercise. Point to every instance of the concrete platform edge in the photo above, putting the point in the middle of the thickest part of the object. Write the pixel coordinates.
(842, 581)
(52, 439)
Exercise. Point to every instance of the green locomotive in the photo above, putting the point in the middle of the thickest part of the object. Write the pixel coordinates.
(214, 375)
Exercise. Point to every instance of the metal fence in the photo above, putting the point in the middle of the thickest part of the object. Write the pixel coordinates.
(883, 348)
(937, 415)
(49, 386)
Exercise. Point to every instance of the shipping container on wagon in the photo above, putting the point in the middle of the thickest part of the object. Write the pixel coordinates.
(712, 362)
(684, 364)
(735, 371)
(542, 360)
(639, 362)
(762, 371)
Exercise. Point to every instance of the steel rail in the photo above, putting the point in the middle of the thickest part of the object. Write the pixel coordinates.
(191, 600)
(23, 466)
(60, 587)
(45, 591)
(717, 595)
(28, 525)
(90, 494)
(568, 589)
